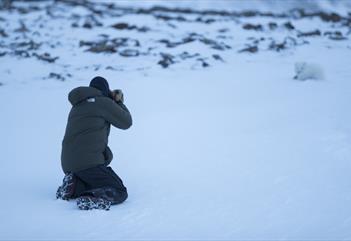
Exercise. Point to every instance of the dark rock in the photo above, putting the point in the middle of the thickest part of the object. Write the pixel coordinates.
(191, 38)
(250, 49)
(109, 45)
(102, 48)
(83, 3)
(335, 35)
(103, 35)
(30, 45)
(157, 10)
(214, 44)
(2, 54)
(194, 37)
(167, 59)
(287, 43)
(86, 43)
(1, 84)
(206, 21)
(256, 41)
(26, 10)
(209, 20)
(338, 37)
(22, 10)
(121, 26)
(92, 21)
(186, 55)
(56, 76)
(204, 64)
(277, 46)
(330, 17)
(170, 44)
(327, 17)
(36, 33)
(3, 33)
(256, 27)
(217, 57)
(22, 53)
(22, 29)
(135, 42)
(248, 13)
(129, 53)
(166, 10)
(87, 25)
(46, 57)
(75, 16)
(309, 34)
(270, 15)
(289, 26)
(223, 37)
(347, 23)
(223, 30)
(197, 37)
(125, 42)
(171, 25)
(110, 5)
(6, 4)
(111, 68)
(126, 26)
(143, 29)
(272, 26)
(297, 13)
(168, 18)
(180, 19)
(96, 67)
(74, 25)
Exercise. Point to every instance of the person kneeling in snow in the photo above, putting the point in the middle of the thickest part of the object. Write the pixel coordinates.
(85, 154)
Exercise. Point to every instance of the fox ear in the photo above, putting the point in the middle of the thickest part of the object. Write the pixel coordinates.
(300, 65)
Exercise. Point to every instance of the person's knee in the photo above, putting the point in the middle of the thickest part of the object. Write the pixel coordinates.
(115, 195)
(120, 197)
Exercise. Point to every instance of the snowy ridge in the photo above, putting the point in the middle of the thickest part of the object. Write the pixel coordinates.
(144, 37)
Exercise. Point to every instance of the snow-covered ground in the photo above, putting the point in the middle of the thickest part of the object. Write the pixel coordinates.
(237, 150)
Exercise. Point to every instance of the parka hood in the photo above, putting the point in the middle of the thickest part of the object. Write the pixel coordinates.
(82, 93)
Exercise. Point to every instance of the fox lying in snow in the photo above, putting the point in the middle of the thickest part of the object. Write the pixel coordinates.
(305, 71)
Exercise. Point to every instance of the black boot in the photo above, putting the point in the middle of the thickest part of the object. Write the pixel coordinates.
(90, 202)
(66, 190)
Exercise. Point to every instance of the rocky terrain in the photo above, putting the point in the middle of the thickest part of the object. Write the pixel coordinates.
(56, 32)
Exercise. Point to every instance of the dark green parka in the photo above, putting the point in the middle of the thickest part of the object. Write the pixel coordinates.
(88, 127)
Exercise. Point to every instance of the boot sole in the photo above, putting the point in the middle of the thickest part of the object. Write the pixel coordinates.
(89, 203)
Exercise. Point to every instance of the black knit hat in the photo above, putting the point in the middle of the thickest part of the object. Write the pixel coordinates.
(100, 83)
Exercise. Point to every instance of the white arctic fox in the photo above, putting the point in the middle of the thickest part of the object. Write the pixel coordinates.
(304, 71)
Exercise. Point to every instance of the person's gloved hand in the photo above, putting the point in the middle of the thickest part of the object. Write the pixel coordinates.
(117, 95)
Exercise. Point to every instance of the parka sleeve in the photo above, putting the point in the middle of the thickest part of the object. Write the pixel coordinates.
(116, 113)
